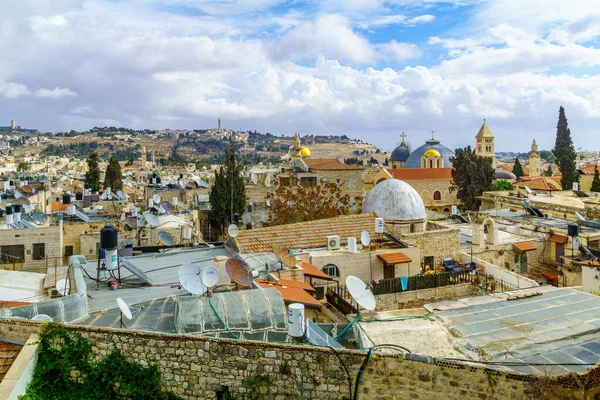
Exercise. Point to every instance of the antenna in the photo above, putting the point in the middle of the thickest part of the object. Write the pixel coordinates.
(63, 287)
(283, 254)
(165, 238)
(42, 317)
(190, 278)
(239, 272)
(233, 230)
(125, 311)
(365, 238)
(360, 292)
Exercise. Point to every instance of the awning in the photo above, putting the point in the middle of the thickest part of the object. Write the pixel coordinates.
(524, 246)
(394, 258)
(313, 272)
(292, 294)
(559, 239)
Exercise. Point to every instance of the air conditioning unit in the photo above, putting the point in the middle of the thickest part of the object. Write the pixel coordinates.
(333, 242)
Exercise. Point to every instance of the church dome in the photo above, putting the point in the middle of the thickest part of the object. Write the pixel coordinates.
(504, 174)
(304, 151)
(394, 200)
(414, 161)
(432, 153)
(400, 153)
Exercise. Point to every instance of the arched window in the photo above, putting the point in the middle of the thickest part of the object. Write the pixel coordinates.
(430, 163)
(331, 270)
(437, 195)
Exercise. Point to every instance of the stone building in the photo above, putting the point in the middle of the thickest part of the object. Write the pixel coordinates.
(432, 184)
(484, 143)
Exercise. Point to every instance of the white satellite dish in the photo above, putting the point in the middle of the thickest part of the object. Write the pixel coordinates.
(166, 238)
(233, 230)
(365, 238)
(124, 308)
(209, 276)
(121, 194)
(18, 195)
(63, 287)
(360, 292)
(152, 220)
(42, 317)
(156, 199)
(29, 208)
(190, 277)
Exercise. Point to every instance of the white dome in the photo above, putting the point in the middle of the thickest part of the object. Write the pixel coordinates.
(394, 200)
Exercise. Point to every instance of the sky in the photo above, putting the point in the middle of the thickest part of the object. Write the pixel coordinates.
(369, 69)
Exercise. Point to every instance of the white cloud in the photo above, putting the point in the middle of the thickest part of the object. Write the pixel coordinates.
(13, 90)
(421, 19)
(399, 51)
(55, 93)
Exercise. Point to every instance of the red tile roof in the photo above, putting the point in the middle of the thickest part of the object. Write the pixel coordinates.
(56, 206)
(588, 169)
(297, 284)
(559, 239)
(524, 246)
(304, 235)
(8, 355)
(329, 163)
(292, 294)
(411, 174)
(394, 258)
(541, 183)
(10, 304)
(313, 272)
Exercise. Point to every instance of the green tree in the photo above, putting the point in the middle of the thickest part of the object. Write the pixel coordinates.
(547, 156)
(596, 181)
(548, 171)
(564, 151)
(471, 176)
(503, 184)
(228, 193)
(23, 166)
(92, 177)
(113, 177)
(518, 169)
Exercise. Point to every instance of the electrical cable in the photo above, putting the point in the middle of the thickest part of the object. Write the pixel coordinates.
(339, 335)
(221, 319)
(360, 372)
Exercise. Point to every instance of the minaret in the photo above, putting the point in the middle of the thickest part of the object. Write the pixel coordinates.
(485, 143)
(219, 125)
(535, 161)
(296, 148)
(143, 157)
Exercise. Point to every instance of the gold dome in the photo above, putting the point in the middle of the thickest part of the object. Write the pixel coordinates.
(432, 153)
(304, 151)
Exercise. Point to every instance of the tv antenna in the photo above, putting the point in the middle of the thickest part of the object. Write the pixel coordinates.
(365, 238)
(190, 278)
(361, 293)
(125, 311)
(239, 272)
(283, 254)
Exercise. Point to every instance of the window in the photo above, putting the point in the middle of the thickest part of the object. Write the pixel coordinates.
(39, 251)
(437, 195)
(331, 270)
(13, 254)
(351, 183)
(68, 251)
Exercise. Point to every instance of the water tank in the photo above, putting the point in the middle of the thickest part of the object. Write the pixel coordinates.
(150, 202)
(187, 233)
(109, 236)
(296, 320)
(175, 201)
(158, 180)
(78, 196)
(66, 198)
(9, 215)
(379, 225)
(17, 212)
(111, 259)
(352, 244)
(573, 230)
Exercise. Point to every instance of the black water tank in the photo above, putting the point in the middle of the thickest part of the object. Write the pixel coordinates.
(86, 186)
(109, 236)
(66, 198)
(79, 196)
(573, 230)
(11, 183)
(17, 208)
(158, 180)
(236, 218)
(9, 210)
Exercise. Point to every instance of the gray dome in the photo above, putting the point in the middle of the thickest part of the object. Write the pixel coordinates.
(400, 153)
(504, 174)
(414, 161)
(394, 200)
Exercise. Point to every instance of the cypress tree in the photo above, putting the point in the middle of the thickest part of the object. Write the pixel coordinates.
(564, 151)
(112, 177)
(471, 176)
(596, 182)
(92, 177)
(518, 169)
(548, 171)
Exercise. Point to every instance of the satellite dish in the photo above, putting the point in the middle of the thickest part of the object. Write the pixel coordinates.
(190, 277)
(209, 276)
(239, 272)
(233, 230)
(24, 201)
(167, 207)
(29, 208)
(42, 317)
(63, 287)
(40, 217)
(18, 195)
(165, 238)
(156, 199)
(360, 292)
(283, 254)
(121, 195)
(27, 189)
(152, 220)
(365, 238)
(124, 308)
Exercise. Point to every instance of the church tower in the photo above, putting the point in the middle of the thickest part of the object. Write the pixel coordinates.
(535, 161)
(143, 157)
(296, 148)
(484, 146)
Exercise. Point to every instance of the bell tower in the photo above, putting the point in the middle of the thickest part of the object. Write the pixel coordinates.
(484, 143)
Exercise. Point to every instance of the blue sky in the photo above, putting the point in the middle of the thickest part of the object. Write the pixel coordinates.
(369, 69)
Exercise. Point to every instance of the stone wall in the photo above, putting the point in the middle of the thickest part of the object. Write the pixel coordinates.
(49, 236)
(416, 298)
(199, 367)
(440, 243)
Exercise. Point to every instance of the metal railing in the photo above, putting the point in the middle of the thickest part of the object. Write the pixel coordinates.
(420, 282)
